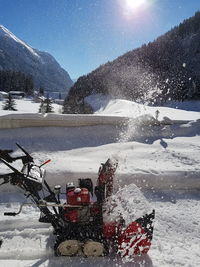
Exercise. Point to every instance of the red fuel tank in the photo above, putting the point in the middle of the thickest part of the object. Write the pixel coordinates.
(78, 196)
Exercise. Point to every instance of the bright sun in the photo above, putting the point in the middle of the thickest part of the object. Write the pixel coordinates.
(133, 4)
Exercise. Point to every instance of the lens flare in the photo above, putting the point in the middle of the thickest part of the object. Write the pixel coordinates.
(134, 4)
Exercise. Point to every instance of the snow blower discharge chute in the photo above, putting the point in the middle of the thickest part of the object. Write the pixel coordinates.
(78, 222)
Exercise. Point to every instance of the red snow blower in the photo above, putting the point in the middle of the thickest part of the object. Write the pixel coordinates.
(78, 221)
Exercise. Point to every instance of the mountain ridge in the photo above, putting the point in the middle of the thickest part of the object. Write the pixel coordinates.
(17, 55)
(167, 68)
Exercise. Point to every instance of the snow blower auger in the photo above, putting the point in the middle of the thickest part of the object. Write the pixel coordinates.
(78, 221)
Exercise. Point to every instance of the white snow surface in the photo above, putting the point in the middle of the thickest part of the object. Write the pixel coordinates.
(130, 109)
(25, 106)
(159, 168)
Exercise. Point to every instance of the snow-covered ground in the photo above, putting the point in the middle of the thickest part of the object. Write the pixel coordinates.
(163, 161)
(26, 106)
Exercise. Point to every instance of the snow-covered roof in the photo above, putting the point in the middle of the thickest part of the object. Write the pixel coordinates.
(3, 93)
(16, 92)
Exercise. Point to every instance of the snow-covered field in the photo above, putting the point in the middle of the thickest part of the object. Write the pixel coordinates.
(26, 106)
(162, 159)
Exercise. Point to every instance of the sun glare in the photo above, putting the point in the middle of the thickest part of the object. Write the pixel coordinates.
(134, 4)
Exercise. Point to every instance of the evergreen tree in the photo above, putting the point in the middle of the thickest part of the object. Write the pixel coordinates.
(48, 103)
(41, 91)
(46, 106)
(9, 104)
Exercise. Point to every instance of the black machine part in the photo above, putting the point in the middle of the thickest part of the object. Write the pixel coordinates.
(32, 186)
(86, 183)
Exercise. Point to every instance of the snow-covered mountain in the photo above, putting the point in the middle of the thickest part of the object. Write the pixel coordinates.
(16, 55)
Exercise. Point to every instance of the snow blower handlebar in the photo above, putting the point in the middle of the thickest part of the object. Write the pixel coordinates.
(25, 159)
(31, 180)
(15, 178)
(44, 163)
(20, 209)
(5, 154)
(10, 213)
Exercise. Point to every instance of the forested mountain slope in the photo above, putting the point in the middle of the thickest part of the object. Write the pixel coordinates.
(16, 55)
(168, 68)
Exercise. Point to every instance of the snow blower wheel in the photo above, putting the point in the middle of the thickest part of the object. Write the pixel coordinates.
(93, 249)
(68, 248)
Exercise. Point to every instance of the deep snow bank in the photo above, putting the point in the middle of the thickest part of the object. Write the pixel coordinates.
(131, 109)
(58, 120)
(108, 112)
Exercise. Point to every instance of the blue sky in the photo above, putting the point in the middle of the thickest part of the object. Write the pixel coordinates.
(83, 34)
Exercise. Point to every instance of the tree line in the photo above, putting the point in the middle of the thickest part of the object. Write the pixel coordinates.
(16, 81)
